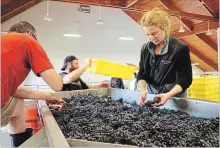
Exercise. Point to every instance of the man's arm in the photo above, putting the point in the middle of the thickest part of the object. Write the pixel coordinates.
(94, 86)
(52, 79)
(74, 75)
(39, 62)
(25, 93)
(101, 85)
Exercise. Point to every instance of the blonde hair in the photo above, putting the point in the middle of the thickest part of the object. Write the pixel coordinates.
(158, 18)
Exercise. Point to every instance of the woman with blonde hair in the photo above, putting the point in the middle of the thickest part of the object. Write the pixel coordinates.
(165, 66)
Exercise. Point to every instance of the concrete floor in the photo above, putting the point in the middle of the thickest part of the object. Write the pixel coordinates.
(4, 138)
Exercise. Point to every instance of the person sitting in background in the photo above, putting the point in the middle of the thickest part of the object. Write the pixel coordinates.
(133, 83)
(117, 83)
(165, 66)
(72, 72)
(20, 53)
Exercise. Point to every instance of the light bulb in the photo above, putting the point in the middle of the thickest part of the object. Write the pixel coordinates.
(208, 32)
(100, 22)
(181, 29)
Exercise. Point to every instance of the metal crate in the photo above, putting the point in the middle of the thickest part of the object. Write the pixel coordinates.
(55, 137)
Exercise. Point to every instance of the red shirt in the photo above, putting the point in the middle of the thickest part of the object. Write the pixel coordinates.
(20, 53)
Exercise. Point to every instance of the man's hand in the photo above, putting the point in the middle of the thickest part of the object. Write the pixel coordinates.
(88, 62)
(143, 98)
(101, 85)
(54, 102)
(163, 99)
(104, 85)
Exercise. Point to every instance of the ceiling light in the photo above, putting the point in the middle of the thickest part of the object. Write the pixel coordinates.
(126, 38)
(100, 21)
(181, 26)
(47, 17)
(181, 29)
(72, 35)
(208, 32)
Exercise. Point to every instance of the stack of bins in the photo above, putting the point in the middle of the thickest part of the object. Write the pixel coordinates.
(32, 117)
(205, 88)
(107, 68)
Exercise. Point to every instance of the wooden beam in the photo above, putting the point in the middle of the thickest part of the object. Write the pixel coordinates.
(134, 15)
(168, 5)
(4, 2)
(212, 6)
(171, 12)
(187, 25)
(198, 28)
(105, 3)
(202, 65)
(192, 15)
(209, 42)
(10, 6)
(11, 9)
(202, 57)
(130, 4)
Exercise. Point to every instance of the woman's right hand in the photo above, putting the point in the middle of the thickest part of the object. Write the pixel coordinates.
(143, 98)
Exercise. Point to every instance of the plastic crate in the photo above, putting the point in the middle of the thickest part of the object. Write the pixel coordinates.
(204, 86)
(206, 80)
(103, 67)
(204, 96)
(34, 124)
(32, 117)
(201, 91)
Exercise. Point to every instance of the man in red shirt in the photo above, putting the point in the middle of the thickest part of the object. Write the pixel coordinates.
(20, 53)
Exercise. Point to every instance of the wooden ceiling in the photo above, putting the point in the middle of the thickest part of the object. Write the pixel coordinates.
(195, 15)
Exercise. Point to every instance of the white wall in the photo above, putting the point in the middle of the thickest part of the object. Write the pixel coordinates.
(97, 41)
(197, 70)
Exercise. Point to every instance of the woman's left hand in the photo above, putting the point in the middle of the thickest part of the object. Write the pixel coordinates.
(164, 97)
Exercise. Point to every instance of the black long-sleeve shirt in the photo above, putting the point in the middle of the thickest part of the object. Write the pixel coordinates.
(172, 66)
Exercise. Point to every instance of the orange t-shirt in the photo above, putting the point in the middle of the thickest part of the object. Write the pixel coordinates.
(20, 53)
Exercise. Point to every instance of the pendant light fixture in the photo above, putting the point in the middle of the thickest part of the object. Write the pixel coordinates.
(208, 32)
(47, 16)
(181, 29)
(100, 21)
